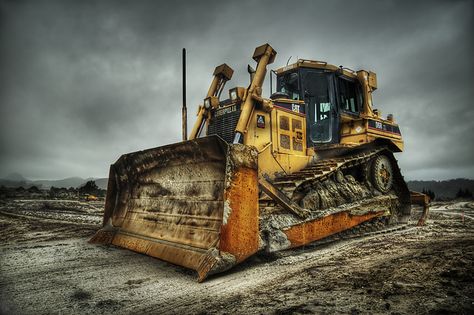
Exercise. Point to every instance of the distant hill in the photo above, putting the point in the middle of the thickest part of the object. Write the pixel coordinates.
(442, 189)
(13, 183)
(17, 180)
(60, 183)
(15, 177)
(102, 182)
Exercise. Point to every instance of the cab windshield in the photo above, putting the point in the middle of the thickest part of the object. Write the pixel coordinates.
(289, 84)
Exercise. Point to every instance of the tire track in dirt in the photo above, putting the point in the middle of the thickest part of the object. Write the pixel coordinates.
(254, 276)
(68, 275)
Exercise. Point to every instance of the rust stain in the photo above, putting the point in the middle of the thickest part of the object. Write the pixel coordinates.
(102, 237)
(169, 203)
(205, 266)
(186, 257)
(239, 236)
(311, 231)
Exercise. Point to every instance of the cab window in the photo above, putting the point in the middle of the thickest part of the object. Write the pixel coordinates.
(318, 89)
(349, 95)
(289, 84)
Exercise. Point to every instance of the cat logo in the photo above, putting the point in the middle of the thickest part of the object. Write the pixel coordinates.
(260, 121)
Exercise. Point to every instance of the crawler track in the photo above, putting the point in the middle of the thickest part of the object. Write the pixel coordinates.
(367, 229)
(341, 180)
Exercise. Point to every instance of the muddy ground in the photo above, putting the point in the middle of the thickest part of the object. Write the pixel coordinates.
(47, 267)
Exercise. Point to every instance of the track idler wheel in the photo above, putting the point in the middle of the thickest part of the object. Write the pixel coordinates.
(381, 173)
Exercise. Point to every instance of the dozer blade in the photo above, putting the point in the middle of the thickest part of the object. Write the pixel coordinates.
(193, 203)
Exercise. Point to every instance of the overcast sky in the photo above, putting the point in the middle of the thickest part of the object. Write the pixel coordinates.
(82, 82)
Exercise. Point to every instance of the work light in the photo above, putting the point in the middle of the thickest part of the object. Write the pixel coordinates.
(233, 94)
(207, 103)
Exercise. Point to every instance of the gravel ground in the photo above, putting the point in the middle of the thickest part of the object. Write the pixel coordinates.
(47, 267)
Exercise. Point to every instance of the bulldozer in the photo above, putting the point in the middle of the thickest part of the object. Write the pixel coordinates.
(260, 175)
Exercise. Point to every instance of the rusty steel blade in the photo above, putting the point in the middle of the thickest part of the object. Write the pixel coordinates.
(194, 204)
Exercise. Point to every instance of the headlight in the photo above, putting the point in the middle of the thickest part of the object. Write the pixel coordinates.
(233, 94)
(207, 103)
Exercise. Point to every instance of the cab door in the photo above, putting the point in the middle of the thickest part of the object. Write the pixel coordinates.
(322, 112)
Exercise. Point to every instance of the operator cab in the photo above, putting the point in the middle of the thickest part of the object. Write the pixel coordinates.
(327, 93)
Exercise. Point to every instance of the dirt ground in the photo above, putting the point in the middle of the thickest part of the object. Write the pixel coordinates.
(47, 267)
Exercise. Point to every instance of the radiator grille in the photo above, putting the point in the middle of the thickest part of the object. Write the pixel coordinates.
(223, 122)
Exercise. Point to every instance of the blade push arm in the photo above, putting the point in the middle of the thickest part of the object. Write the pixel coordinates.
(264, 55)
(222, 74)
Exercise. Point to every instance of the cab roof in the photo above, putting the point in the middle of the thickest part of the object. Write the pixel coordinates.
(305, 63)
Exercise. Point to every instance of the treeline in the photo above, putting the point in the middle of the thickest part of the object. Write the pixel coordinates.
(444, 190)
(430, 193)
(464, 194)
(461, 194)
(88, 189)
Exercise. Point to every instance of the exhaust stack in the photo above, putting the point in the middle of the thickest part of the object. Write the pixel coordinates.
(184, 111)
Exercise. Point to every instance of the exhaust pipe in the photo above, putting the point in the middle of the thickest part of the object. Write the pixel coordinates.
(184, 113)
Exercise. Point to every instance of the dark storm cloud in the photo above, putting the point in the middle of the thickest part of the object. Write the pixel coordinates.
(85, 81)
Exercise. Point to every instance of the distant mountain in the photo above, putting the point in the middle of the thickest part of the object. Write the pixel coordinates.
(17, 180)
(12, 183)
(60, 183)
(102, 182)
(16, 177)
(442, 189)
(14, 180)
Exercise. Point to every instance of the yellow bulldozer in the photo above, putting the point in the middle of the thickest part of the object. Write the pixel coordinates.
(262, 175)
